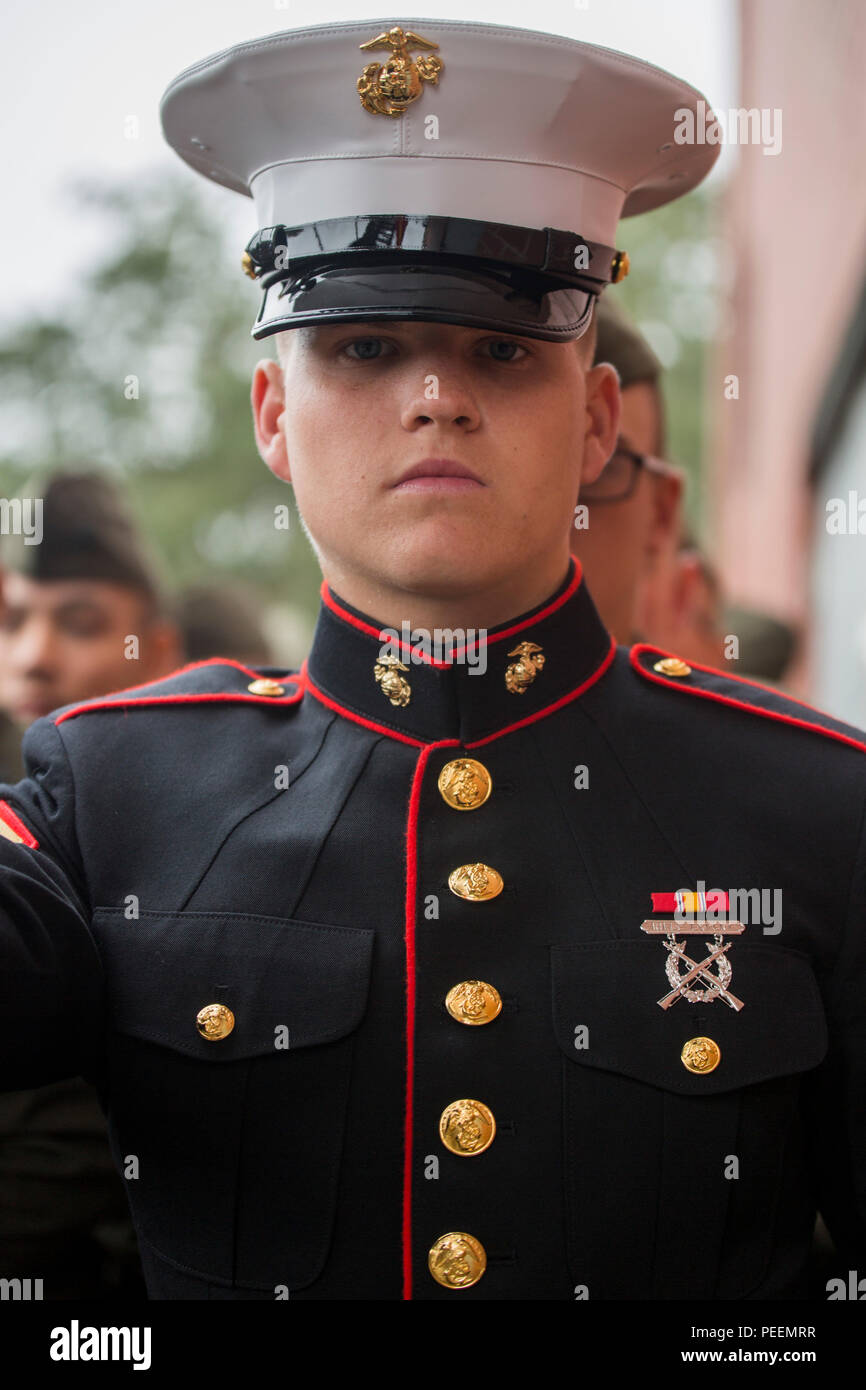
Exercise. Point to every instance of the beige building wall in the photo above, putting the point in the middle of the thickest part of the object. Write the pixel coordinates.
(796, 226)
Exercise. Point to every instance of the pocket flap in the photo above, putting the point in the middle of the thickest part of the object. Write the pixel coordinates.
(288, 984)
(612, 988)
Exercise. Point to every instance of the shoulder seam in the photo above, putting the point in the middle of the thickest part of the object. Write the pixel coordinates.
(734, 703)
(112, 701)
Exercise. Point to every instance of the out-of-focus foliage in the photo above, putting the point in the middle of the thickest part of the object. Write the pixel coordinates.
(145, 372)
(675, 292)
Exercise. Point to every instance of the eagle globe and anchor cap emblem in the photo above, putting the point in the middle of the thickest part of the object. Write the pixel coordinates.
(682, 971)
(386, 89)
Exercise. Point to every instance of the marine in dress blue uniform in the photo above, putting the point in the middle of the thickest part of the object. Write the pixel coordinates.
(384, 999)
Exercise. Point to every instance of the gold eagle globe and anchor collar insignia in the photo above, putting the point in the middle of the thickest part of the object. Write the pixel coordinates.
(386, 89)
(458, 704)
(685, 985)
(522, 672)
(387, 672)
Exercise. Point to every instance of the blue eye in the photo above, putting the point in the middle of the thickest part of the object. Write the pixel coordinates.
(510, 349)
(368, 349)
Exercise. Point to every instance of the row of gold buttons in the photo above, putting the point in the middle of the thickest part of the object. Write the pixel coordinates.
(457, 1260)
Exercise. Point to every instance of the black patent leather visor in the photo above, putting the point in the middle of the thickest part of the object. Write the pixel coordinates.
(535, 282)
(507, 301)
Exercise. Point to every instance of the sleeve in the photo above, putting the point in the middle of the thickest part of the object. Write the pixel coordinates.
(52, 991)
(837, 1118)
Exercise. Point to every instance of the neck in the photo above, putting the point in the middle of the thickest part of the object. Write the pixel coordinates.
(485, 607)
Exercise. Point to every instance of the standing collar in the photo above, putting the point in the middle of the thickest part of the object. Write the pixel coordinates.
(534, 664)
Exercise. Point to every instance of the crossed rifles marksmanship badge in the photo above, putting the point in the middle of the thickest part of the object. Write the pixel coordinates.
(683, 972)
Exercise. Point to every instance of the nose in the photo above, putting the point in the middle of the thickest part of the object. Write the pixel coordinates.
(440, 395)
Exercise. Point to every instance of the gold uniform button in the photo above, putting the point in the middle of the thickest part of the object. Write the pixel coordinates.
(700, 1055)
(214, 1021)
(467, 1127)
(465, 784)
(264, 686)
(672, 666)
(457, 1260)
(477, 883)
(473, 1002)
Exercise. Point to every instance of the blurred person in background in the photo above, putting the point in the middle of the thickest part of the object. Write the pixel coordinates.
(649, 579)
(635, 506)
(222, 620)
(81, 615)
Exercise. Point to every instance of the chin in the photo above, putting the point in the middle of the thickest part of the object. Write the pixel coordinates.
(442, 572)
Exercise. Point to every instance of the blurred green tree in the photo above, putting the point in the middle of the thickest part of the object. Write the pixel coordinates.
(675, 292)
(144, 371)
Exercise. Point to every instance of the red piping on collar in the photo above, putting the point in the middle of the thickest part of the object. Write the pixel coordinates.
(358, 718)
(557, 704)
(477, 743)
(331, 602)
(199, 698)
(410, 924)
(658, 679)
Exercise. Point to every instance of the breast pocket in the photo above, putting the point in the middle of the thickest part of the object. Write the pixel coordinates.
(673, 1172)
(230, 1066)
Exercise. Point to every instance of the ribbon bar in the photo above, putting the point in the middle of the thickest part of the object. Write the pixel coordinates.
(716, 900)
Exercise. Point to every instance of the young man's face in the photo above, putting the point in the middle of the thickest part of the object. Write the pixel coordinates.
(511, 421)
(67, 640)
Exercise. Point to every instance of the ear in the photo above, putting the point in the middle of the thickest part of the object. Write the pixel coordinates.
(689, 587)
(667, 496)
(602, 419)
(269, 403)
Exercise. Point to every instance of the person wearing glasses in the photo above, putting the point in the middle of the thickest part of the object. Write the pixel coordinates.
(634, 508)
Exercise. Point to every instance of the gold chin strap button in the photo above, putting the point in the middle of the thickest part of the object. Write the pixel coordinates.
(473, 1002)
(467, 1127)
(214, 1022)
(477, 883)
(672, 666)
(265, 686)
(620, 267)
(700, 1055)
(457, 1260)
(465, 784)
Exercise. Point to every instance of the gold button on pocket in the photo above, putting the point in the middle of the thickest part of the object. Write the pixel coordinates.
(214, 1022)
(700, 1055)
(457, 1260)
